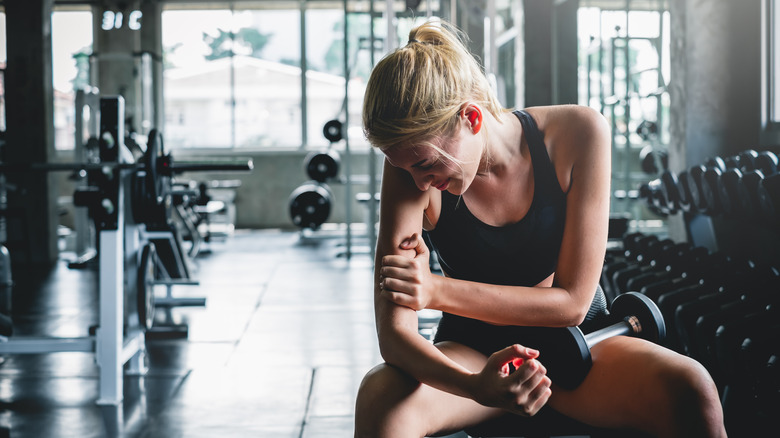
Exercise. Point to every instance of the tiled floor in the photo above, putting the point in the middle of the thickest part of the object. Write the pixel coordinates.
(279, 350)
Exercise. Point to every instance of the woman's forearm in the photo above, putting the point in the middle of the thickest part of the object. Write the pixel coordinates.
(403, 347)
(511, 305)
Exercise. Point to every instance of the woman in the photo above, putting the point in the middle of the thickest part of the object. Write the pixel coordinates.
(517, 206)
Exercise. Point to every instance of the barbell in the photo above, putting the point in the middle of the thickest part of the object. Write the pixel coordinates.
(155, 163)
(152, 174)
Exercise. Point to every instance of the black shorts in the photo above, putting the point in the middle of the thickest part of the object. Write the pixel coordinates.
(488, 338)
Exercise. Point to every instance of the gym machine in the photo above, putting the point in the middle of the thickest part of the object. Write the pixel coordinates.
(126, 195)
(112, 346)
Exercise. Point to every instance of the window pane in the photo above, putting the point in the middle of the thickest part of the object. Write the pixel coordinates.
(775, 62)
(71, 41)
(3, 57)
(325, 76)
(232, 78)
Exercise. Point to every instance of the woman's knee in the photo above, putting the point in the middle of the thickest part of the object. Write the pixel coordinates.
(384, 402)
(694, 399)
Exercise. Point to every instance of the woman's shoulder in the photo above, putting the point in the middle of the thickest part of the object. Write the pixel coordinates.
(567, 118)
(572, 134)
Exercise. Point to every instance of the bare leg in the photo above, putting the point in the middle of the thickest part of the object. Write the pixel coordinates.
(391, 403)
(639, 385)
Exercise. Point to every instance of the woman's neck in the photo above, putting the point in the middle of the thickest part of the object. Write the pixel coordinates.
(502, 144)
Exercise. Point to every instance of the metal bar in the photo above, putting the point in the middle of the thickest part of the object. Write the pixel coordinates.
(180, 302)
(348, 161)
(176, 282)
(40, 344)
(304, 89)
(618, 329)
(215, 165)
(63, 167)
(372, 168)
(133, 344)
(109, 334)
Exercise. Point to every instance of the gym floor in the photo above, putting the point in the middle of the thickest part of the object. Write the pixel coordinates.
(279, 350)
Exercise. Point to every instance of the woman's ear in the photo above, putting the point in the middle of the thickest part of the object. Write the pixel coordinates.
(474, 115)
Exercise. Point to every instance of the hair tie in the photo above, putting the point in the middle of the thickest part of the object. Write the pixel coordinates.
(412, 40)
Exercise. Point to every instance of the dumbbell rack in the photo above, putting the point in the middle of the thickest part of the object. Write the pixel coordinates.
(720, 310)
(111, 345)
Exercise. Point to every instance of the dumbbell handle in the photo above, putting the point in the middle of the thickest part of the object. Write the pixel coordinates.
(630, 325)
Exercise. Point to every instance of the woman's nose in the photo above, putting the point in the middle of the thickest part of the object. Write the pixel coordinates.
(423, 181)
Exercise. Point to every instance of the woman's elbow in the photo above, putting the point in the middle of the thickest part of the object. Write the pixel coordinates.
(389, 348)
(576, 312)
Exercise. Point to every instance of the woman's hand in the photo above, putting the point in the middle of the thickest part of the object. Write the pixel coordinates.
(407, 280)
(523, 391)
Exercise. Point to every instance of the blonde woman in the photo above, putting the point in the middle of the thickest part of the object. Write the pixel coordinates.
(517, 206)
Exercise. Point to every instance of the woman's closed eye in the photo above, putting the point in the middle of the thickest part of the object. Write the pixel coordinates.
(425, 165)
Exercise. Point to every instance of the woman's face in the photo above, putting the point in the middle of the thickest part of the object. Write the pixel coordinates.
(430, 168)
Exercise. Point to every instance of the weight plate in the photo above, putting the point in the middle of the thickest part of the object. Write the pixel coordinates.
(650, 316)
(748, 192)
(147, 274)
(728, 186)
(322, 166)
(333, 130)
(310, 205)
(157, 184)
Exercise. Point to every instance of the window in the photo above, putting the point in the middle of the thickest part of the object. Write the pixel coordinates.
(232, 78)
(772, 39)
(624, 71)
(71, 49)
(3, 58)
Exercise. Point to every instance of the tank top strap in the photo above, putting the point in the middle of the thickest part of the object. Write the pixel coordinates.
(545, 176)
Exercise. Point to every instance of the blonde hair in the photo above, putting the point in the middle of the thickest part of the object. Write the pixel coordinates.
(415, 93)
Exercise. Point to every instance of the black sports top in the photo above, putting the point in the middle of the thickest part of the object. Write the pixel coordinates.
(519, 254)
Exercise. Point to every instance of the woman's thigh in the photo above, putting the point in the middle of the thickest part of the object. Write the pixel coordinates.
(637, 384)
(392, 403)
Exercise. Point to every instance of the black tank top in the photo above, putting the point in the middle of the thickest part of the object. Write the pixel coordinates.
(519, 254)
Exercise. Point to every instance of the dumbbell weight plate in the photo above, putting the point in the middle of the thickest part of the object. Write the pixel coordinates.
(633, 303)
(728, 191)
(670, 189)
(695, 176)
(709, 191)
(748, 192)
(684, 191)
(769, 197)
(766, 162)
(747, 160)
(563, 351)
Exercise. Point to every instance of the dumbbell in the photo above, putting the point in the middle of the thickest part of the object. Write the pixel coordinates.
(708, 194)
(684, 192)
(683, 260)
(565, 352)
(652, 193)
(765, 165)
(655, 255)
(671, 190)
(739, 187)
(769, 197)
(703, 183)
